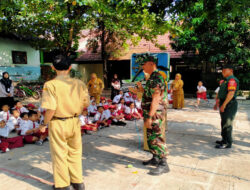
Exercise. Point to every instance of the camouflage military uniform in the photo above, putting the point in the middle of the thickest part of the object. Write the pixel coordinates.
(156, 142)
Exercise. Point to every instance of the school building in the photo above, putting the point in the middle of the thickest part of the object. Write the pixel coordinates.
(18, 58)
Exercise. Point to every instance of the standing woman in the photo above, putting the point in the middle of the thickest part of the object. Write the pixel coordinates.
(6, 91)
(178, 93)
(115, 86)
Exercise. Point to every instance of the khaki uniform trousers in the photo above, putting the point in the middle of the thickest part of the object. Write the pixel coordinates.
(66, 151)
(164, 127)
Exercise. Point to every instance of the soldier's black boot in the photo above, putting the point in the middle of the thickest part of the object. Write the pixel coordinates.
(153, 161)
(161, 168)
(78, 186)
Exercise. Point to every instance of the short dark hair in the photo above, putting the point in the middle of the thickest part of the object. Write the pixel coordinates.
(61, 62)
(99, 107)
(23, 114)
(31, 113)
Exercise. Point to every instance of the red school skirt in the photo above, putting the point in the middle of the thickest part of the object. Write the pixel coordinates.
(202, 95)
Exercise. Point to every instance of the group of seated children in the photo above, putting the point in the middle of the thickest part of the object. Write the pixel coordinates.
(111, 112)
(25, 122)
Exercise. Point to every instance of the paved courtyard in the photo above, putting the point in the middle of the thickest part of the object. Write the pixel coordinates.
(194, 162)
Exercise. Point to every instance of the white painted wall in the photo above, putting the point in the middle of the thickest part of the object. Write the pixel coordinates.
(6, 48)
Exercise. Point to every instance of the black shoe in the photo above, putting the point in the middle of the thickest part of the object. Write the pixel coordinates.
(61, 188)
(220, 142)
(223, 146)
(153, 161)
(161, 168)
(78, 186)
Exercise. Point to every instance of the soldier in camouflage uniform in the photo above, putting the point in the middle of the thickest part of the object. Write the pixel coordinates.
(154, 105)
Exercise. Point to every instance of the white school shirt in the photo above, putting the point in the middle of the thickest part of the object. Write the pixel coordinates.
(28, 125)
(117, 98)
(84, 120)
(99, 116)
(92, 109)
(4, 132)
(5, 115)
(127, 97)
(121, 107)
(14, 121)
(128, 110)
(107, 114)
(138, 104)
(201, 89)
(217, 90)
(24, 110)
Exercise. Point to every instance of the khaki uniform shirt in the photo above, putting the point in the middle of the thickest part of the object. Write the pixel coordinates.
(65, 95)
(95, 87)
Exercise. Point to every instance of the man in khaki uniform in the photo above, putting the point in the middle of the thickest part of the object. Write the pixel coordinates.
(95, 86)
(64, 98)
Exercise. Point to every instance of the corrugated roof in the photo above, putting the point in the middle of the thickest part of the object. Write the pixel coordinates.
(143, 46)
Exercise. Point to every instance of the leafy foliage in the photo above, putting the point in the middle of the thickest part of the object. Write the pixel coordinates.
(217, 31)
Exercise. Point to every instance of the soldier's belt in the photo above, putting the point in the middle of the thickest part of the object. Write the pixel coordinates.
(64, 118)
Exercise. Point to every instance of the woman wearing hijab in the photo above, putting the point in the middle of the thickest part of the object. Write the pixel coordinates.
(178, 93)
(6, 91)
(115, 86)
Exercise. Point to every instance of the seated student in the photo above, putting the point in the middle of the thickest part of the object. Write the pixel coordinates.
(23, 122)
(5, 113)
(117, 98)
(20, 108)
(31, 131)
(31, 107)
(121, 106)
(115, 117)
(109, 102)
(15, 119)
(92, 98)
(201, 93)
(131, 112)
(41, 113)
(128, 98)
(86, 124)
(103, 102)
(100, 118)
(138, 105)
(92, 109)
(5, 142)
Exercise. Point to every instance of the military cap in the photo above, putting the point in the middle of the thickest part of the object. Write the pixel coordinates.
(228, 67)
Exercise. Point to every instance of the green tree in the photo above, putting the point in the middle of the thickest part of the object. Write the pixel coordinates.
(215, 30)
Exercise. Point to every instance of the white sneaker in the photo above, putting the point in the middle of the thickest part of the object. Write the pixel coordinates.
(7, 149)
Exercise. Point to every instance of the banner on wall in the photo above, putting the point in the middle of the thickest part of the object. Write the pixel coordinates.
(26, 73)
(163, 60)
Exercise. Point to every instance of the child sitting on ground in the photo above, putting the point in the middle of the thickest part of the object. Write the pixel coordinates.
(92, 98)
(131, 112)
(31, 130)
(138, 105)
(5, 142)
(128, 98)
(115, 117)
(201, 93)
(15, 119)
(20, 108)
(92, 109)
(103, 102)
(118, 97)
(5, 113)
(86, 124)
(121, 106)
(101, 119)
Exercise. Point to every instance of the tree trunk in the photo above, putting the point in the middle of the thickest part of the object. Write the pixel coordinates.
(104, 55)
